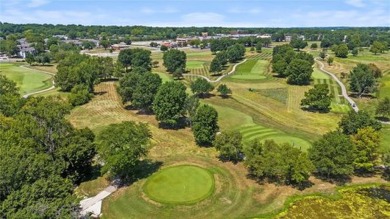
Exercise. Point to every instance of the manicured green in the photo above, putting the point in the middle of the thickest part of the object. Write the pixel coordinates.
(164, 77)
(28, 80)
(194, 64)
(253, 69)
(180, 185)
(294, 141)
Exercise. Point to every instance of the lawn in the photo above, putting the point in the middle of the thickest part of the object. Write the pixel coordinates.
(194, 64)
(165, 77)
(182, 184)
(28, 80)
(253, 69)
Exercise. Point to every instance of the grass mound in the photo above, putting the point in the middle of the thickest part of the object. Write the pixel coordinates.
(180, 185)
(257, 132)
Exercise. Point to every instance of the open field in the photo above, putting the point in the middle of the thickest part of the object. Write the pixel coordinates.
(183, 184)
(28, 80)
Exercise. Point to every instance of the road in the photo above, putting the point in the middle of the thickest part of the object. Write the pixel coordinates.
(40, 91)
(343, 88)
(220, 77)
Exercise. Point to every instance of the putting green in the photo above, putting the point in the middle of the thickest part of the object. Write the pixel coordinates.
(183, 184)
(296, 142)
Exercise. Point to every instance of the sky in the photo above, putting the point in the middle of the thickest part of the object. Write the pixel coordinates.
(178, 13)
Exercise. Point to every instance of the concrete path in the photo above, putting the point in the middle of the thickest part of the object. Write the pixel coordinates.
(220, 77)
(343, 88)
(40, 91)
(94, 204)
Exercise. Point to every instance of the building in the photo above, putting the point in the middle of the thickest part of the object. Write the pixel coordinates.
(287, 38)
(120, 46)
(24, 48)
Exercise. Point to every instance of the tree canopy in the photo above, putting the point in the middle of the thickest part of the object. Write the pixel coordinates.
(229, 145)
(205, 125)
(333, 155)
(201, 87)
(121, 146)
(299, 72)
(281, 163)
(362, 79)
(317, 98)
(175, 59)
(169, 103)
(353, 121)
(367, 143)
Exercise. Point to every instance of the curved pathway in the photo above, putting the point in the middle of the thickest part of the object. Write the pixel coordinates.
(40, 91)
(343, 88)
(220, 77)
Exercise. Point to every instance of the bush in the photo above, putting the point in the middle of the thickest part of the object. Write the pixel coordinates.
(79, 95)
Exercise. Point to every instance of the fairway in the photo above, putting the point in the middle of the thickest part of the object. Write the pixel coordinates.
(194, 64)
(28, 80)
(180, 185)
(253, 69)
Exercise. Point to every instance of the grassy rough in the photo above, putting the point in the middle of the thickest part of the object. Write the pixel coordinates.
(182, 184)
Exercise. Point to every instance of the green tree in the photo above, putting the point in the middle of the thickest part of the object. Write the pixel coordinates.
(317, 98)
(322, 55)
(163, 48)
(333, 155)
(367, 143)
(383, 108)
(121, 146)
(376, 47)
(10, 101)
(175, 59)
(205, 125)
(145, 90)
(280, 163)
(192, 104)
(140, 58)
(375, 70)
(45, 198)
(229, 145)
(201, 87)
(178, 73)
(169, 103)
(314, 46)
(125, 57)
(224, 90)
(105, 44)
(30, 58)
(216, 66)
(298, 43)
(127, 86)
(352, 122)
(235, 52)
(330, 60)
(362, 79)
(79, 95)
(342, 51)
(280, 67)
(355, 51)
(299, 72)
(258, 47)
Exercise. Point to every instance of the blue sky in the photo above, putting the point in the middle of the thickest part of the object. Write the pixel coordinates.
(229, 13)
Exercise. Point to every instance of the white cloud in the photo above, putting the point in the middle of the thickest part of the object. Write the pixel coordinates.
(356, 3)
(37, 3)
(165, 10)
(244, 11)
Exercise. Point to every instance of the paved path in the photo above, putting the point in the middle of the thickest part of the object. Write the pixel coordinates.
(220, 77)
(343, 88)
(40, 91)
(94, 204)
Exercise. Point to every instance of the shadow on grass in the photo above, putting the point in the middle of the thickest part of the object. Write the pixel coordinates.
(263, 180)
(311, 110)
(144, 169)
(382, 118)
(338, 180)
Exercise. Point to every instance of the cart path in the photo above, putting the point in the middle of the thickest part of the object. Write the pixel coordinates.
(40, 91)
(343, 88)
(220, 77)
